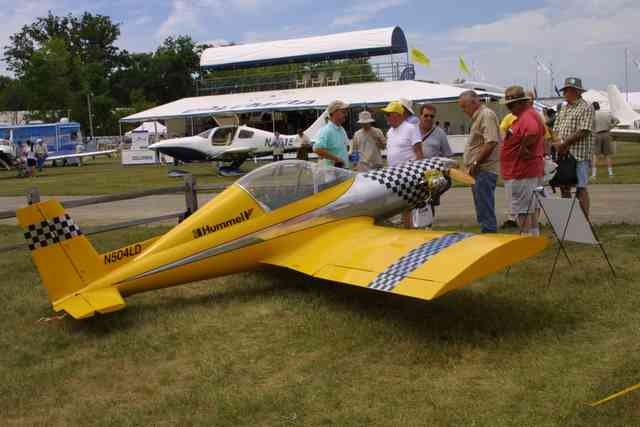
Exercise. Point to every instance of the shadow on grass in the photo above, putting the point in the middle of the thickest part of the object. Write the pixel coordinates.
(462, 316)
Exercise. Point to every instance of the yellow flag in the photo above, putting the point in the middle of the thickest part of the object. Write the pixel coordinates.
(463, 67)
(418, 56)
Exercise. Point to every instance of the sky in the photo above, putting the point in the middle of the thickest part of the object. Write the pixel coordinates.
(584, 38)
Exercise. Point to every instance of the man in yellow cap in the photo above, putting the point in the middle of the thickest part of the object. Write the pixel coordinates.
(404, 143)
(332, 142)
(403, 138)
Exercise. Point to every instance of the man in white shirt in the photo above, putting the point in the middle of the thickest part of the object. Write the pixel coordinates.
(278, 147)
(403, 143)
(403, 138)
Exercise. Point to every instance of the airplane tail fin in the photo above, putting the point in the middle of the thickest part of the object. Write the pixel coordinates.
(66, 260)
(312, 131)
(620, 109)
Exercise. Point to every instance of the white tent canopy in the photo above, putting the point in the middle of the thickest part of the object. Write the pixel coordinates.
(152, 127)
(381, 41)
(371, 94)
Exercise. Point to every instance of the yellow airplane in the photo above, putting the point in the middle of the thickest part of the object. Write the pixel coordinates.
(321, 221)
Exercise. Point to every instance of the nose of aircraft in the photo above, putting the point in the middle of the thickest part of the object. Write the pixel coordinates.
(409, 182)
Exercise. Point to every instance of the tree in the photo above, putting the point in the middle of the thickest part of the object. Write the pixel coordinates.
(174, 69)
(90, 38)
(47, 77)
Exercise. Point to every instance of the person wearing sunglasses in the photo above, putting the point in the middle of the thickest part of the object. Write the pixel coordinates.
(434, 139)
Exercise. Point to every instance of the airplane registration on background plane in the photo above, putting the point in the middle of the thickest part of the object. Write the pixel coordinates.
(231, 144)
(317, 220)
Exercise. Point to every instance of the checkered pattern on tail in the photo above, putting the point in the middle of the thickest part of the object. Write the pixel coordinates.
(407, 179)
(388, 279)
(52, 231)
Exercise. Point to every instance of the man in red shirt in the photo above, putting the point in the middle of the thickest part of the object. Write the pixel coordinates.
(522, 158)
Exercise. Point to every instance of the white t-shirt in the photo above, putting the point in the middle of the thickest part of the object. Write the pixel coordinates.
(400, 142)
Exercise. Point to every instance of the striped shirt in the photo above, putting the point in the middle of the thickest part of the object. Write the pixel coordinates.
(571, 119)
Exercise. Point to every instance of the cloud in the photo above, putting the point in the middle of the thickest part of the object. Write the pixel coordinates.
(363, 11)
(586, 38)
(195, 16)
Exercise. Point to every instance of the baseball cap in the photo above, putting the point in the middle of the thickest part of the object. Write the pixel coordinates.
(407, 104)
(394, 107)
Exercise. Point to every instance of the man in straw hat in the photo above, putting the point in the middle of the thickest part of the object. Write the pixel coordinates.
(367, 143)
(522, 158)
(332, 142)
(574, 135)
(481, 158)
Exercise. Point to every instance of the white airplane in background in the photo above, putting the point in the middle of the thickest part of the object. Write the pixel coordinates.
(629, 121)
(9, 154)
(230, 144)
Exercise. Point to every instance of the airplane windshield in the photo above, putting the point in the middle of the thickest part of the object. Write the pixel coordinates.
(281, 183)
(223, 135)
(205, 134)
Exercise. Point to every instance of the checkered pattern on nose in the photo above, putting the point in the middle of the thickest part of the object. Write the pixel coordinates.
(52, 231)
(389, 279)
(407, 179)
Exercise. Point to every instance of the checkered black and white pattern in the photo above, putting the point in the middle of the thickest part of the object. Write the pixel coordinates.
(52, 231)
(389, 279)
(407, 179)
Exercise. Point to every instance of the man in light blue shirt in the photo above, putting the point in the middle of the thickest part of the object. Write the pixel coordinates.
(331, 144)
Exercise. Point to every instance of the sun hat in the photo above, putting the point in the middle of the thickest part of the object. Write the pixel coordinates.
(337, 105)
(365, 117)
(573, 82)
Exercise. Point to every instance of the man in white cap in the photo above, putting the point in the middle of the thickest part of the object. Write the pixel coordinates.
(409, 113)
(332, 142)
(367, 143)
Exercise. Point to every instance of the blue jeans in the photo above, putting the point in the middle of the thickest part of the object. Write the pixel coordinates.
(484, 198)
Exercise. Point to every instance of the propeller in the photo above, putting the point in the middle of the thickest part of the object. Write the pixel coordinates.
(461, 177)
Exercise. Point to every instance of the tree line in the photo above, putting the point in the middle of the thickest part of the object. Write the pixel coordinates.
(61, 64)
(64, 65)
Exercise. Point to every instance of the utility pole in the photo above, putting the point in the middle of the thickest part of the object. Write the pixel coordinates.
(90, 115)
(626, 71)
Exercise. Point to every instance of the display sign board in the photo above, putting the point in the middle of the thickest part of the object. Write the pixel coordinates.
(139, 140)
(568, 221)
(139, 157)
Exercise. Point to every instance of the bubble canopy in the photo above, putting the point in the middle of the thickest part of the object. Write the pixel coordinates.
(281, 183)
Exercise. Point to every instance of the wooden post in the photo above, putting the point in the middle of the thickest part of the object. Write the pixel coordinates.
(33, 196)
(190, 195)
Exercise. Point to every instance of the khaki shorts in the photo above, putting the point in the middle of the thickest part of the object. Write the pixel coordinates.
(522, 190)
(603, 144)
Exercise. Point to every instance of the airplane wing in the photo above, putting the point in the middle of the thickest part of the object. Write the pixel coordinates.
(82, 154)
(416, 263)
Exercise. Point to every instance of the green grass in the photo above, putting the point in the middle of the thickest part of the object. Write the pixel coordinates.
(108, 176)
(276, 348)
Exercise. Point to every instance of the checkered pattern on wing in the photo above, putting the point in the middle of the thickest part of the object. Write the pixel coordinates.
(52, 231)
(407, 179)
(388, 279)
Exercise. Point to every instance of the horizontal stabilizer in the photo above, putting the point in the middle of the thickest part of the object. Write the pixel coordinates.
(86, 304)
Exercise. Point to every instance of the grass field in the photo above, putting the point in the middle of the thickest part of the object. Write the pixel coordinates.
(104, 176)
(275, 348)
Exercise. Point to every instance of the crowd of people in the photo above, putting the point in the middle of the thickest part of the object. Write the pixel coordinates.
(515, 150)
(31, 157)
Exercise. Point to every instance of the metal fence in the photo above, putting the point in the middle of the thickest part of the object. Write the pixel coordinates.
(247, 81)
(190, 190)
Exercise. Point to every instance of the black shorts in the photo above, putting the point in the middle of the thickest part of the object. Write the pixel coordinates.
(31, 162)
